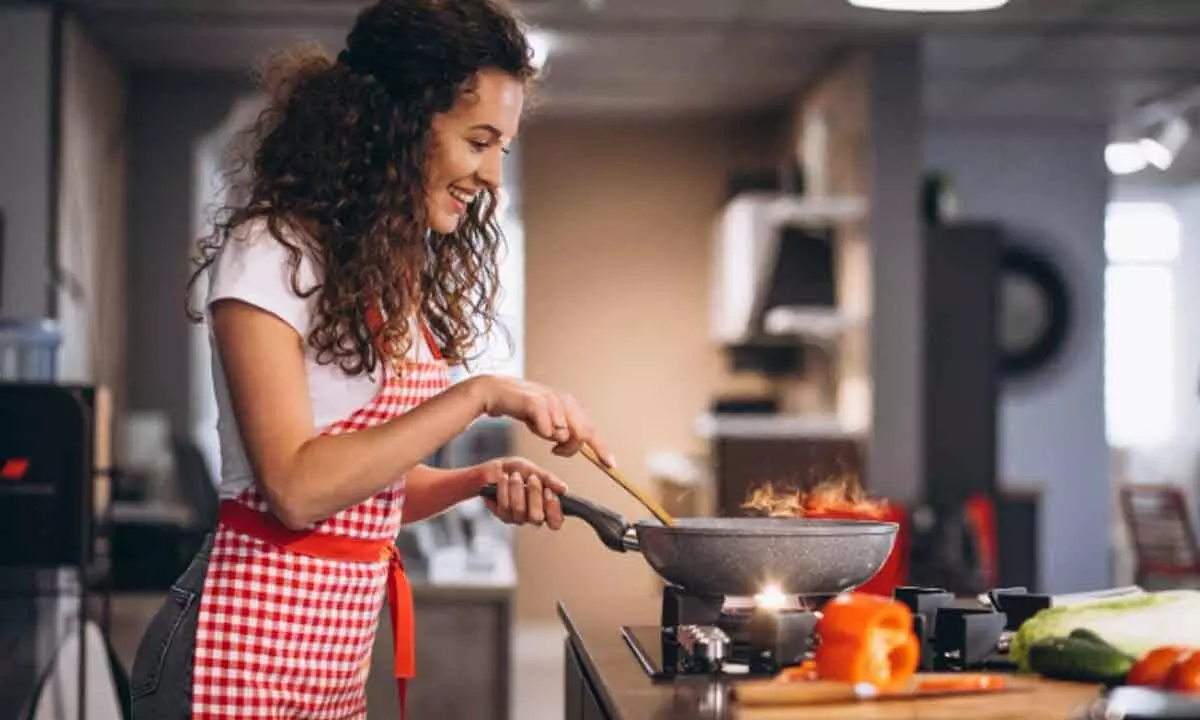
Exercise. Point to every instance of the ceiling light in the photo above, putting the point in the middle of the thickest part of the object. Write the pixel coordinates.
(1162, 149)
(929, 5)
(1124, 158)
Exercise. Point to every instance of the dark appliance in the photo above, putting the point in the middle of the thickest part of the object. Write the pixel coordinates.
(964, 271)
(53, 511)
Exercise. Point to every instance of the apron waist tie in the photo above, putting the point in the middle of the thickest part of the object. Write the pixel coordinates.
(269, 529)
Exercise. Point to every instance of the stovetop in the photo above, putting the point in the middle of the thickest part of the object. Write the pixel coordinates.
(719, 636)
(759, 644)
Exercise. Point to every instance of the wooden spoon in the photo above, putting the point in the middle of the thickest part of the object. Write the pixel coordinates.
(655, 509)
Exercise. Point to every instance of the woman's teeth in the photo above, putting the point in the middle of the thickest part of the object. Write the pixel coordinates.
(461, 196)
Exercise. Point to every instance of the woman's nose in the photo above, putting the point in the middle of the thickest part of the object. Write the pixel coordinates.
(491, 172)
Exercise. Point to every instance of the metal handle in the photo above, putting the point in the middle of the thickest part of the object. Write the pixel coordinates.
(610, 527)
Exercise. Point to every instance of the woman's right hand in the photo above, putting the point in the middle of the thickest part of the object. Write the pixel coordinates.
(547, 413)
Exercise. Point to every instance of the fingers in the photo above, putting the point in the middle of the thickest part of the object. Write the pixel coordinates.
(527, 494)
(553, 508)
(503, 503)
(516, 497)
(534, 501)
(538, 418)
(547, 414)
(579, 429)
(581, 433)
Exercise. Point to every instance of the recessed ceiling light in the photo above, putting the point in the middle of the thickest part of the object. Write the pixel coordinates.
(1124, 158)
(929, 5)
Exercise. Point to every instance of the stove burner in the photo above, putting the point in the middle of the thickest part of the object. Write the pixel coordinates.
(667, 653)
(957, 637)
(682, 608)
(705, 646)
(701, 635)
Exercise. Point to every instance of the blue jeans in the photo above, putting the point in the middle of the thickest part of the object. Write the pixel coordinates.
(160, 685)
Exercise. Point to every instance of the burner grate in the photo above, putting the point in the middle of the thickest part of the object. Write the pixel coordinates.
(700, 635)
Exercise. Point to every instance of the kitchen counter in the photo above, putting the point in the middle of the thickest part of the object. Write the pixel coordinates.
(604, 681)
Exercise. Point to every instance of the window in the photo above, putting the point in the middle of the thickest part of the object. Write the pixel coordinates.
(1142, 241)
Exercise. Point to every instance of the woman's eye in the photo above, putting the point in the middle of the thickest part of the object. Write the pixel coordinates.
(479, 145)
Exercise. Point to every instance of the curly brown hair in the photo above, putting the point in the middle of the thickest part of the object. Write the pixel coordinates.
(336, 165)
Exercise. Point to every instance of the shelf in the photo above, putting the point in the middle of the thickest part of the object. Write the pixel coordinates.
(710, 426)
(809, 322)
(799, 209)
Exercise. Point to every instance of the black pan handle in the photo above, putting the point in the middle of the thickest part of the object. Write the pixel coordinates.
(609, 526)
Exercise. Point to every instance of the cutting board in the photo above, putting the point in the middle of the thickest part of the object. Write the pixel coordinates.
(1023, 698)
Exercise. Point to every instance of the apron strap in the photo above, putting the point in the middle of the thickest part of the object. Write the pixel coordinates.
(375, 324)
(400, 607)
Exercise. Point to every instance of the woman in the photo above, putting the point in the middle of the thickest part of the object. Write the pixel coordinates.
(359, 264)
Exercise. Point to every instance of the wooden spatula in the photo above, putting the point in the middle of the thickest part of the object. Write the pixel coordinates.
(655, 509)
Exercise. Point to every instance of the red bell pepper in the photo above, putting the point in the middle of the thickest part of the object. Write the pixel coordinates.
(864, 638)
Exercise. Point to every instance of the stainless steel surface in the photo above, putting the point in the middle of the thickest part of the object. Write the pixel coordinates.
(704, 642)
(1133, 703)
(629, 539)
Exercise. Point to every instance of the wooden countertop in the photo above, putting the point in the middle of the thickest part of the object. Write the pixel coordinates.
(627, 692)
(1037, 699)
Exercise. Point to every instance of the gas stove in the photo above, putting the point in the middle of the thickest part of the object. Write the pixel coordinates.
(766, 634)
(731, 635)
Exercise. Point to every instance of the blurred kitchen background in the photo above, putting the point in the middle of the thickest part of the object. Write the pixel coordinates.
(760, 240)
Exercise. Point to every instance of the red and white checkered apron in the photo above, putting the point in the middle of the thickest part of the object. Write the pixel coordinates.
(285, 630)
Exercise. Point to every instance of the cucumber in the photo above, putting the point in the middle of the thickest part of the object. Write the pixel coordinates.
(1091, 636)
(1079, 657)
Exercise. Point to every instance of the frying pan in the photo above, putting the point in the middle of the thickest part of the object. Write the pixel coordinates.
(717, 557)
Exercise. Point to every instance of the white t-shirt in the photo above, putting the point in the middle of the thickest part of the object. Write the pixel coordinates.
(253, 267)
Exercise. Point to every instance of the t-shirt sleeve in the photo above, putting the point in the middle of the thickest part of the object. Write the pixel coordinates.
(255, 269)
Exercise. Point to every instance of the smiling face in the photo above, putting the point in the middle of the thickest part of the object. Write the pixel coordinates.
(469, 143)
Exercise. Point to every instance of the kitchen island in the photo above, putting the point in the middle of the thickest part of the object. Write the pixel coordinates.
(605, 682)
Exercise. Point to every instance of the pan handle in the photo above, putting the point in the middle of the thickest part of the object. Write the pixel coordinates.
(610, 527)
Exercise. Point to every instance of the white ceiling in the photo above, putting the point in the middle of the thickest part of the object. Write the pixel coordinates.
(1066, 60)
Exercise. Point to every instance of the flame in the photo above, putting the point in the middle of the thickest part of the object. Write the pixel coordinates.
(839, 495)
(771, 598)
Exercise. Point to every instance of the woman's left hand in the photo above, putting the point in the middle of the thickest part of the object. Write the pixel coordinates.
(525, 493)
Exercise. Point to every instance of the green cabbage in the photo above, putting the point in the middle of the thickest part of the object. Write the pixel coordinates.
(1133, 625)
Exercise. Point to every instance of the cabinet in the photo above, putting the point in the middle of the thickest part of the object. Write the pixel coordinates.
(463, 656)
(962, 361)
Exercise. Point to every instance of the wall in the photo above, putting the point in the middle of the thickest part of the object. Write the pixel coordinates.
(25, 158)
(617, 230)
(91, 232)
(1049, 180)
(169, 114)
(868, 105)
